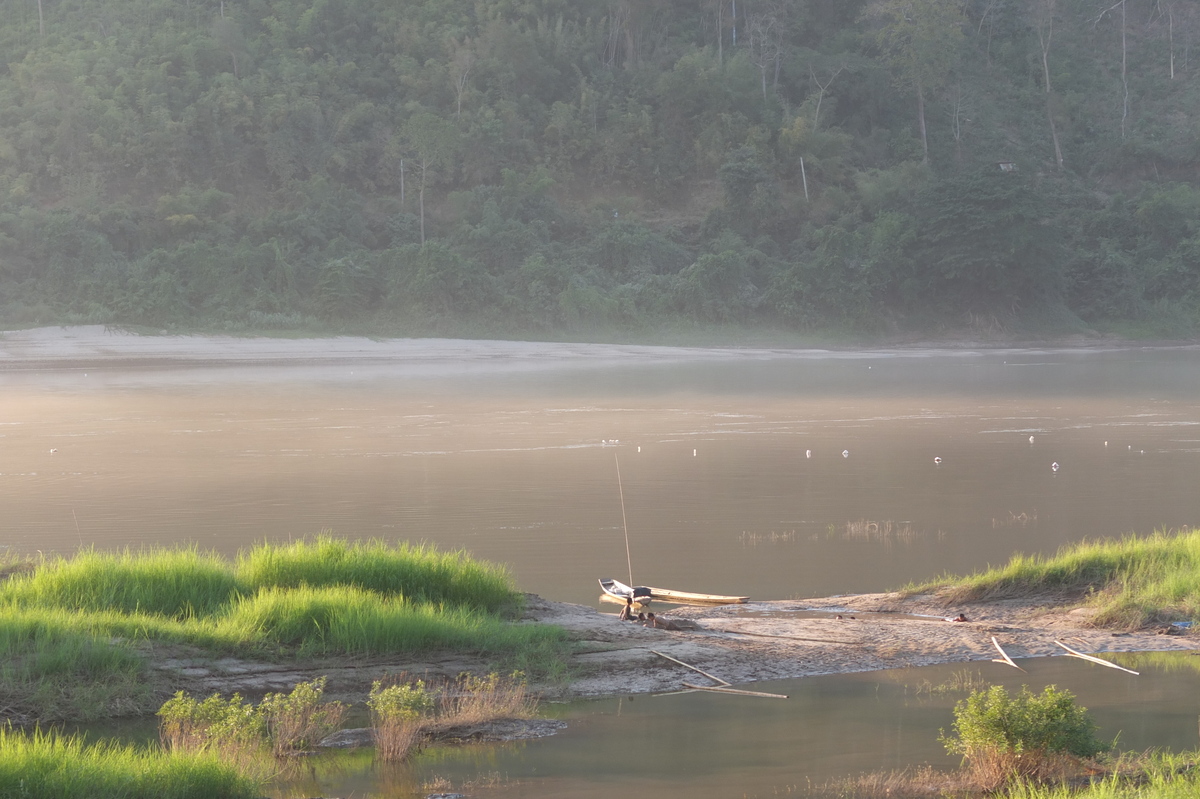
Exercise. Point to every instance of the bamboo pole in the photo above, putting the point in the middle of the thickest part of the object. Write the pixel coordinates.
(1004, 655)
(693, 668)
(1101, 661)
(720, 689)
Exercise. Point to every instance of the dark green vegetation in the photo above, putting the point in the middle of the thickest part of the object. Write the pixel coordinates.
(49, 766)
(1029, 736)
(1032, 746)
(1132, 582)
(76, 634)
(600, 167)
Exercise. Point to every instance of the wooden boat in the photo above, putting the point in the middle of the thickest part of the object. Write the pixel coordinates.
(615, 591)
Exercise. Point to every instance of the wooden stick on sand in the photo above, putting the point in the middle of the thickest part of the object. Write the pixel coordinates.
(1101, 661)
(1004, 655)
(720, 689)
(693, 668)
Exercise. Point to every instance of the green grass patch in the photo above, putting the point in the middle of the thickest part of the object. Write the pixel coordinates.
(74, 632)
(45, 765)
(419, 573)
(176, 583)
(1132, 581)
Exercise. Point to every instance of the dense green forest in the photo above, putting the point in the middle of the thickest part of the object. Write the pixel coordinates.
(551, 168)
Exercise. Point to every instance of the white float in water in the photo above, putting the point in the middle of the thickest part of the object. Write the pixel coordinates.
(937, 460)
(845, 453)
(1054, 466)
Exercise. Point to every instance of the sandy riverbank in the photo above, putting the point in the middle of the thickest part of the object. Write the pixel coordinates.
(741, 644)
(98, 346)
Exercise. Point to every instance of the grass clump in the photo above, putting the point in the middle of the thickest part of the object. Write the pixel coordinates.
(52, 671)
(1132, 581)
(328, 621)
(73, 633)
(46, 765)
(174, 583)
(418, 573)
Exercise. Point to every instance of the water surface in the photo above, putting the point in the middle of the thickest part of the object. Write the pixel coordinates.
(774, 477)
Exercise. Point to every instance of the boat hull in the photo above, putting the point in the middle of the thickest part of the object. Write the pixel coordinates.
(617, 592)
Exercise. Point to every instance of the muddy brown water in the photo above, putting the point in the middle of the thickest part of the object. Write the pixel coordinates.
(773, 475)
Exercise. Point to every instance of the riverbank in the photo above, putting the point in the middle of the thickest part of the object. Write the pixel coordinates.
(741, 644)
(98, 346)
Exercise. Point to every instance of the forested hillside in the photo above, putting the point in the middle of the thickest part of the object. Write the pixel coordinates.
(601, 167)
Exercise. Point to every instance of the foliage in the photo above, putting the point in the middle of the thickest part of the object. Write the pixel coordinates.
(1019, 737)
(396, 713)
(446, 167)
(298, 721)
(282, 723)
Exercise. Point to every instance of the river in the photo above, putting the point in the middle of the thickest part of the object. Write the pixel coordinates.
(765, 473)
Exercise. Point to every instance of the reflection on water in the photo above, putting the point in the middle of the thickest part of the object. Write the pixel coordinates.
(734, 482)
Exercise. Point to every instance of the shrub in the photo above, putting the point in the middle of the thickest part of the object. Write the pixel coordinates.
(286, 723)
(298, 721)
(396, 712)
(1023, 737)
(227, 726)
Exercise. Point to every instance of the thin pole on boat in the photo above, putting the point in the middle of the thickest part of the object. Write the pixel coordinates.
(624, 523)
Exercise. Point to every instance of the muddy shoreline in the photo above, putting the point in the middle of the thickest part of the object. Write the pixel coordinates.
(740, 644)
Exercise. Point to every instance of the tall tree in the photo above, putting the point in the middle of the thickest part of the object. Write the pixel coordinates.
(1044, 13)
(920, 40)
(435, 142)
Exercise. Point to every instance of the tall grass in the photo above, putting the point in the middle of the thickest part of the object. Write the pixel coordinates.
(1131, 581)
(176, 583)
(418, 573)
(45, 765)
(1158, 775)
(68, 626)
(53, 671)
(350, 620)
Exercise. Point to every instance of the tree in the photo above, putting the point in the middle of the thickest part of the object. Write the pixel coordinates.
(920, 40)
(1044, 12)
(436, 143)
(765, 35)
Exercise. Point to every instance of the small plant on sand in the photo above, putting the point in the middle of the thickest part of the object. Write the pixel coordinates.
(1030, 737)
(297, 722)
(397, 712)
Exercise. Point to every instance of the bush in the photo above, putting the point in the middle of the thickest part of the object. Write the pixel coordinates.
(396, 712)
(298, 721)
(285, 723)
(1023, 737)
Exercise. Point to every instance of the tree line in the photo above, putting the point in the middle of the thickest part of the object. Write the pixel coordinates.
(569, 167)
